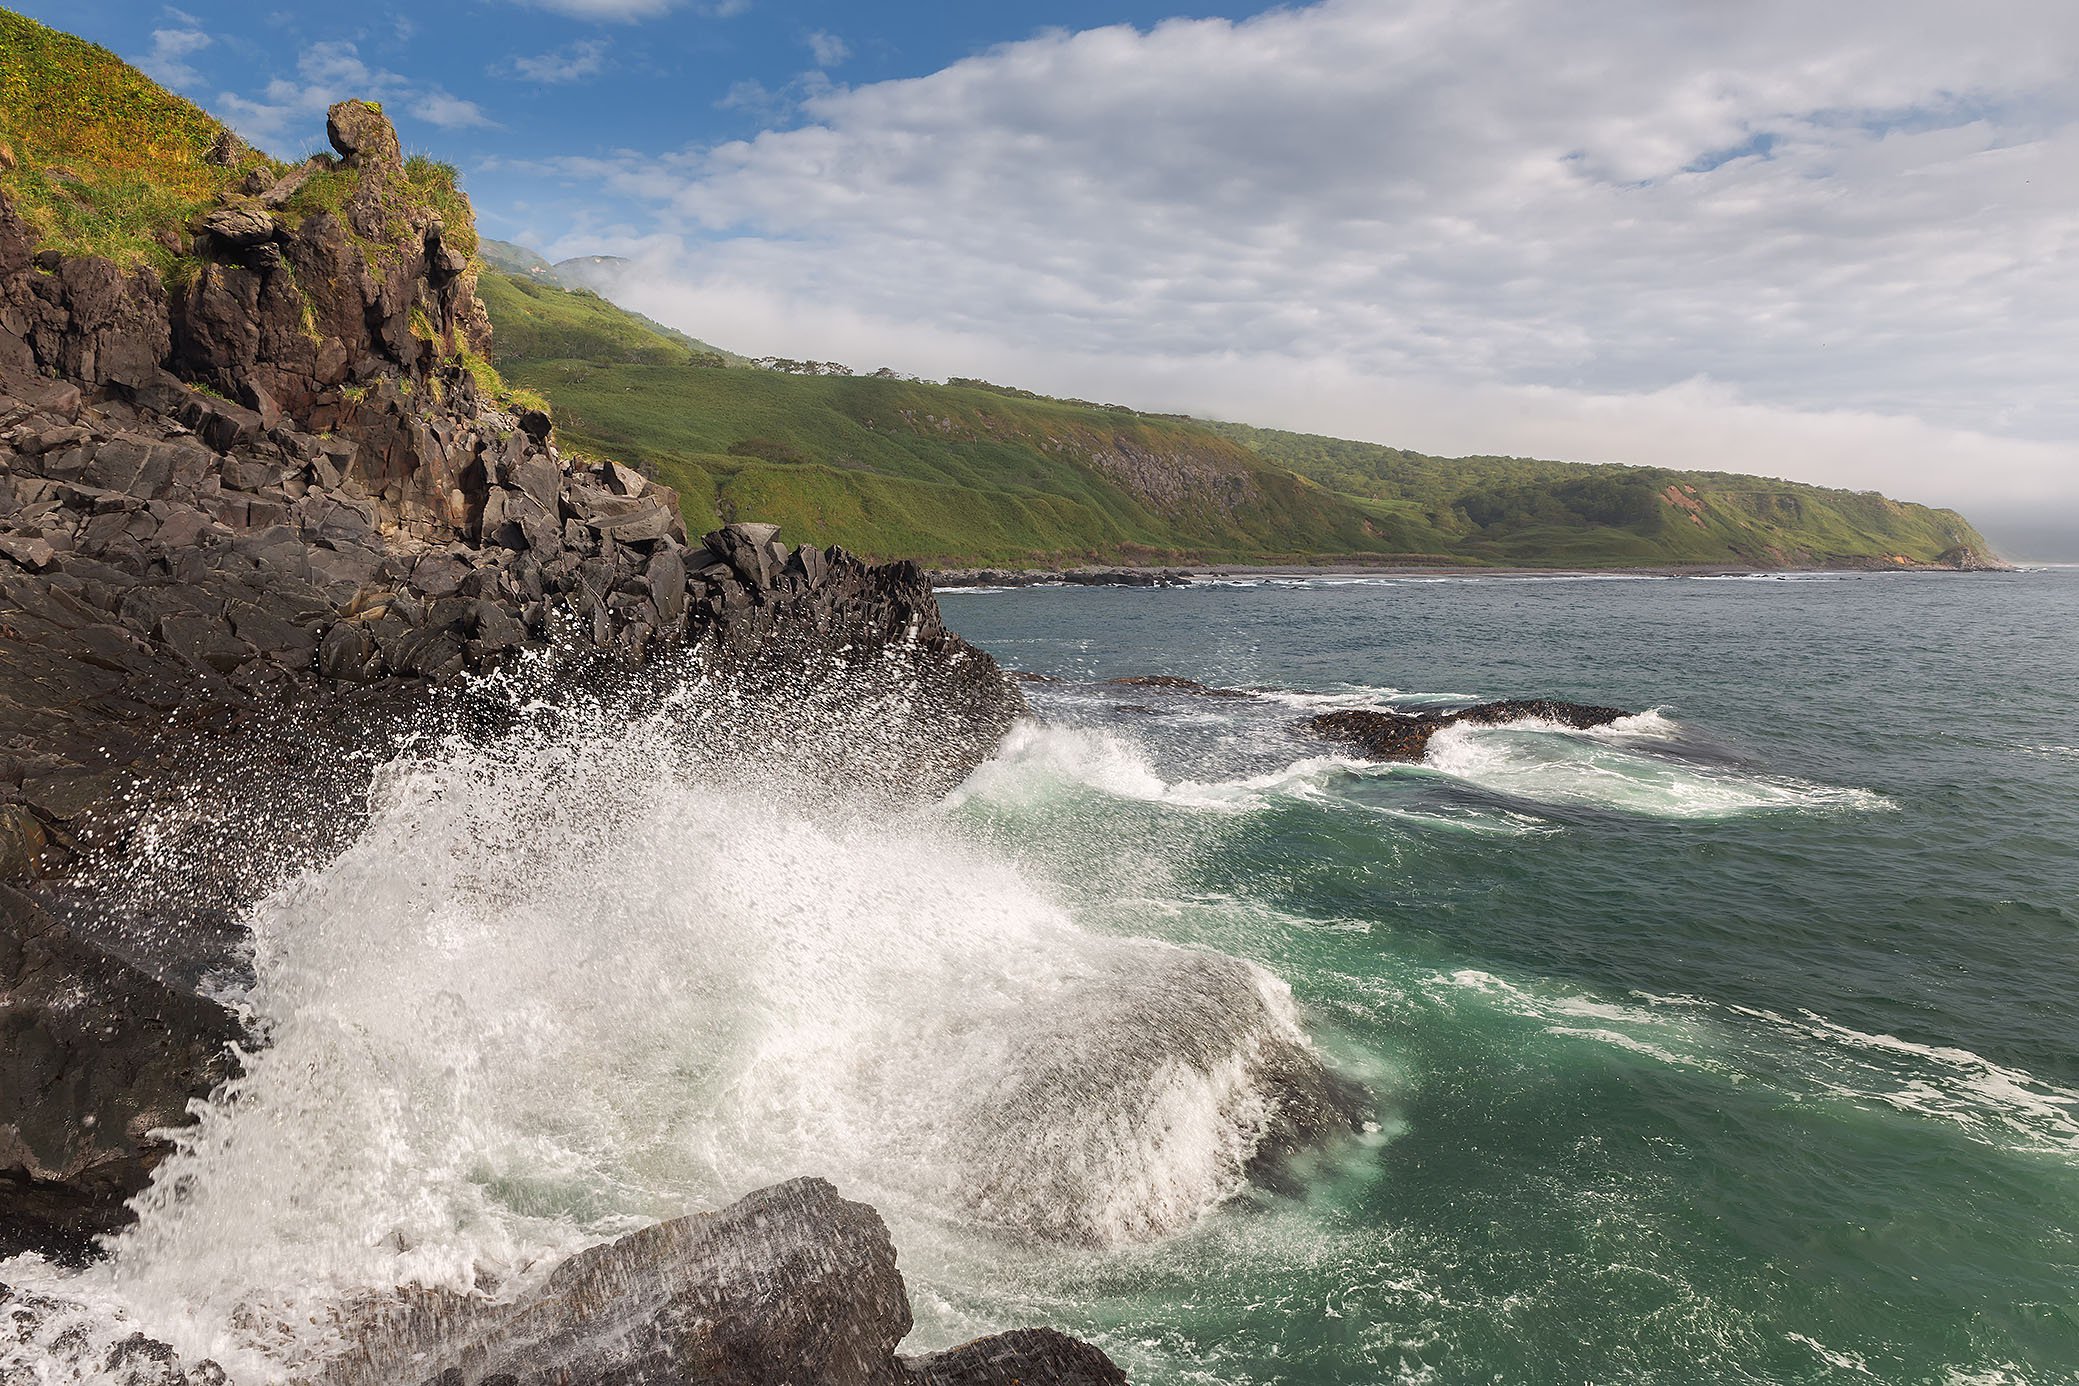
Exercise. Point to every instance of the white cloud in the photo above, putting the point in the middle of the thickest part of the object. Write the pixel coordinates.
(449, 112)
(167, 63)
(828, 49)
(334, 71)
(586, 58)
(608, 11)
(1833, 241)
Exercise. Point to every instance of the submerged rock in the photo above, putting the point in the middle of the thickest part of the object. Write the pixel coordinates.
(1406, 735)
(787, 1286)
(1165, 1081)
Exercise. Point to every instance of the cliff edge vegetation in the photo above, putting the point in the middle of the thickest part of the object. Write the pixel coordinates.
(968, 472)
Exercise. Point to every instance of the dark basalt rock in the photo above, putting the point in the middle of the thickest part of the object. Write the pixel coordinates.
(791, 1284)
(1068, 577)
(266, 502)
(97, 1057)
(1170, 683)
(1406, 735)
(1023, 1357)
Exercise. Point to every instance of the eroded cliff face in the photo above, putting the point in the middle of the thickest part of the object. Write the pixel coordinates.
(272, 497)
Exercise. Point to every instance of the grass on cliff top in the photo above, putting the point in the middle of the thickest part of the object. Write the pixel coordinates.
(107, 162)
(972, 473)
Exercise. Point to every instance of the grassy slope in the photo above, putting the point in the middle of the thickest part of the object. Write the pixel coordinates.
(1524, 510)
(957, 475)
(107, 161)
(894, 467)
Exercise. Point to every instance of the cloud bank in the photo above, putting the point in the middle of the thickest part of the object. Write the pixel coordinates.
(1828, 241)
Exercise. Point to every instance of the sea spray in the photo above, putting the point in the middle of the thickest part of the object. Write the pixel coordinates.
(589, 973)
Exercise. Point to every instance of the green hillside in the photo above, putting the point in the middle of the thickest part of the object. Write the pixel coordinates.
(892, 467)
(971, 473)
(1520, 510)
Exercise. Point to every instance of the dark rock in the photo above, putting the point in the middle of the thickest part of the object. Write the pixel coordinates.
(34, 554)
(238, 224)
(1022, 1357)
(787, 1286)
(1171, 684)
(791, 1284)
(1406, 735)
(59, 1334)
(535, 424)
(95, 1057)
(363, 136)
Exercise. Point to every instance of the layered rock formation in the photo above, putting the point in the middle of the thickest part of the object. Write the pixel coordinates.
(1406, 735)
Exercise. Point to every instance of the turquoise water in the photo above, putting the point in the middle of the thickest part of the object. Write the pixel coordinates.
(1738, 1043)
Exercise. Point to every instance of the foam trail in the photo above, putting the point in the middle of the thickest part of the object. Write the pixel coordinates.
(1600, 769)
(1992, 1103)
(1039, 761)
(570, 983)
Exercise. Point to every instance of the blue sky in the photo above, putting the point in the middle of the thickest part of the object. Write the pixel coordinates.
(1829, 241)
(535, 81)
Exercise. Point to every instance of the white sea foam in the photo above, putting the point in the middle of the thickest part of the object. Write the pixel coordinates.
(568, 984)
(1610, 768)
(1037, 761)
(1808, 1054)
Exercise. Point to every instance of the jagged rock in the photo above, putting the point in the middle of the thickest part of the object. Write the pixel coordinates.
(363, 135)
(788, 1285)
(1022, 1357)
(228, 151)
(73, 1338)
(95, 1056)
(178, 568)
(239, 224)
(1406, 735)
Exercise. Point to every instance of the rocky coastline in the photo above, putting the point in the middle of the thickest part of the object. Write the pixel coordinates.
(1061, 577)
(258, 524)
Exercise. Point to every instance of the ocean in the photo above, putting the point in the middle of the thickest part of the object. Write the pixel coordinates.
(1735, 1042)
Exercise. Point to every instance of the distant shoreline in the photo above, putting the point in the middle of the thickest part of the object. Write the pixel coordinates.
(1130, 575)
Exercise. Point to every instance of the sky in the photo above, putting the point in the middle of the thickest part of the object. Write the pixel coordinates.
(1834, 242)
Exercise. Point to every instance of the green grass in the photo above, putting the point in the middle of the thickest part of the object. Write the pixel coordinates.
(1528, 511)
(980, 473)
(107, 162)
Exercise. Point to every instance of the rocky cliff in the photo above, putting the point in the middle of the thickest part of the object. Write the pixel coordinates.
(268, 505)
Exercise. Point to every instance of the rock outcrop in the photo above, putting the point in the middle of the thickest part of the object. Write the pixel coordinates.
(789, 1285)
(1406, 735)
(268, 509)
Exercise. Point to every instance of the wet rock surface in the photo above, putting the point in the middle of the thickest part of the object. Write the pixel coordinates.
(252, 527)
(791, 1284)
(1406, 735)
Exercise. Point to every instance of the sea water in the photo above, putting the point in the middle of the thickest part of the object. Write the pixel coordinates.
(1732, 1042)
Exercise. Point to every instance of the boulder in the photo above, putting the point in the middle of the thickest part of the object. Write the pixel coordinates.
(96, 1057)
(791, 1284)
(363, 136)
(1022, 1357)
(238, 224)
(1405, 736)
